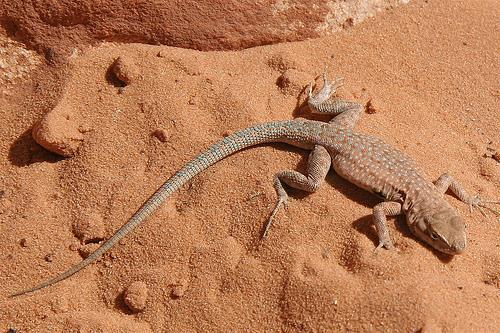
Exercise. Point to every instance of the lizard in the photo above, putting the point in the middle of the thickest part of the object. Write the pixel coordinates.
(364, 160)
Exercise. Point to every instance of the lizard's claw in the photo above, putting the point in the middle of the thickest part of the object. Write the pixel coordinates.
(339, 82)
(387, 244)
(333, 86)
(310, 90)
(328, 89)
(282, 201)
(481, 204)
(325, 75)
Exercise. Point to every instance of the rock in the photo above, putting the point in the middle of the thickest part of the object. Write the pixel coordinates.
(161, 135)
(49, 257)
(179, 290)
(370, 108)
(125, 70)
(24, 242)
(58, 131)
(135, 296)
(232, 25)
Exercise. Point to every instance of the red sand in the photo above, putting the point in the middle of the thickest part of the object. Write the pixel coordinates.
(431, 71)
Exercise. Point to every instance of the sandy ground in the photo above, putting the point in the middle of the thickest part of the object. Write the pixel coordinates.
(431, 70)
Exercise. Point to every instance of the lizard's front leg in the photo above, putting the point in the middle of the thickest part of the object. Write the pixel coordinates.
(318, 164)
(380, 213)
(446, 181)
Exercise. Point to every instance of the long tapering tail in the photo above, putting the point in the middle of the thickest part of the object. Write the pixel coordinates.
(302, 131)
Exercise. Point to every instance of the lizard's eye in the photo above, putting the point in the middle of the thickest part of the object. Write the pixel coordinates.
(434, 235)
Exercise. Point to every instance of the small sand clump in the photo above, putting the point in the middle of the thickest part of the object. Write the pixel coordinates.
(135, 296)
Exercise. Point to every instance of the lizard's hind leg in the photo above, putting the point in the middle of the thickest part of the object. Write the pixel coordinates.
(318, 164)
(347, 113)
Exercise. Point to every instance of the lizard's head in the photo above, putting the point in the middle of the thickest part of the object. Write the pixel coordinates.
(442, 228)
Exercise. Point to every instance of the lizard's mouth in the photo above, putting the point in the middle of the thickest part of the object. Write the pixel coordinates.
(449, 247)
(443, 246)
(458, 247)
(452, 250)
(439, 242)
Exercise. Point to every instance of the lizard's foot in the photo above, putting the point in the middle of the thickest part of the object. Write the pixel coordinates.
(326, 91)
(482, 204)
(380, 213)
(386, 243)
(282, 201)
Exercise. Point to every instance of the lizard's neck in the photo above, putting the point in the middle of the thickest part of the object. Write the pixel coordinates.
(421, 193)
(416, 206)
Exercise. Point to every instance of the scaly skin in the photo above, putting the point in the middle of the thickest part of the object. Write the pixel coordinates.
(366, 161)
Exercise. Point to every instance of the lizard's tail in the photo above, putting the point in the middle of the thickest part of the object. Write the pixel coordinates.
(279, 131)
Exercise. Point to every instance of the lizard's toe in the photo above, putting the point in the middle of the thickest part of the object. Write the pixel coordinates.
(481, 204)
(387, 244)
(282, 201)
